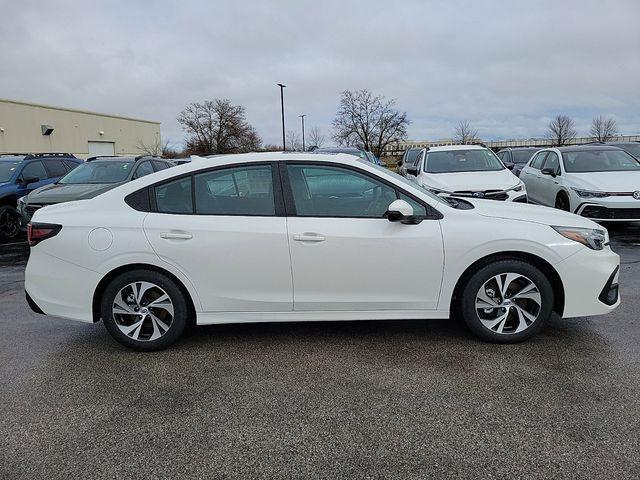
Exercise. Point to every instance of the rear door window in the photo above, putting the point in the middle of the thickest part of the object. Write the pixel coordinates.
(174, 197)
(56, 168)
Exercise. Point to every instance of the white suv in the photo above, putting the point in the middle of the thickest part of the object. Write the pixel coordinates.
(467, 171)
(599, 182)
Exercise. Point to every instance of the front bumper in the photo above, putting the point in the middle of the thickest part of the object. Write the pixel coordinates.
(588, 277)
(606, 213)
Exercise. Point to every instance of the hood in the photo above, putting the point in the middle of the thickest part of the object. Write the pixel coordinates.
(452, 182)
(57, 192)
(606, 181)
(530, 213)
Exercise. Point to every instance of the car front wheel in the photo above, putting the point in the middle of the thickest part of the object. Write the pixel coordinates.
(144, 310)
(507, 301)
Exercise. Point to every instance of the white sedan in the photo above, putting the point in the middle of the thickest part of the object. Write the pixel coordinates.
(303, 237)
(596, 181)
(467, 171)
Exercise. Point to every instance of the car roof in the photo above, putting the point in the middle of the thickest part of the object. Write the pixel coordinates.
(583, 148)
(11, 158)
(520, 148)
(446, 148)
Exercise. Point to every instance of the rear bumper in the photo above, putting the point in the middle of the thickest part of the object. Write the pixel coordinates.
(588, 278)
(59, 288)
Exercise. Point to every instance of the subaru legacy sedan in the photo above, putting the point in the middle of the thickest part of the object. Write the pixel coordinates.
(304, 237)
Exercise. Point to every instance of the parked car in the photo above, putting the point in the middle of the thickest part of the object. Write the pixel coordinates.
(97, 175)
(600, 182)
(362, 154)
(516, 158)
(21, 173)
(303, 237)
(408, 159)
(467, 171)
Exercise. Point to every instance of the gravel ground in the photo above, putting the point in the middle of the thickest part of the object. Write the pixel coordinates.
(409, 399)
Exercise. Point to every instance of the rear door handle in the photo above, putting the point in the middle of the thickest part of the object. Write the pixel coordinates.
(176, 235)
(308, 237)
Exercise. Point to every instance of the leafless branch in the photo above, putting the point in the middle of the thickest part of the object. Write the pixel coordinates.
(465, 134)
(603, 129)
(561, 130)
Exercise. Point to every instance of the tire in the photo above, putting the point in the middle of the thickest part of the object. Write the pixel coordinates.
(139, 305)
(562, 202)
(9, 222)
(522, 306)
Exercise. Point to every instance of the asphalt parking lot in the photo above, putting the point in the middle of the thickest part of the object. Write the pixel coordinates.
(409, 399)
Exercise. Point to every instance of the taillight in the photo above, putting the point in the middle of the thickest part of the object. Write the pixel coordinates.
(36, 232)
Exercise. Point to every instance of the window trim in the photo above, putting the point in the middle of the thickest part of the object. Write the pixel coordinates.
(275, 178)
(432, 213)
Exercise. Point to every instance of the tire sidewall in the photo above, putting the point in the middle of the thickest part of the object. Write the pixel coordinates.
(13, 212)
(180, 308)
(468, 309)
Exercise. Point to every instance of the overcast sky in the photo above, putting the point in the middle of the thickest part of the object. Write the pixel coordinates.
(506, 66)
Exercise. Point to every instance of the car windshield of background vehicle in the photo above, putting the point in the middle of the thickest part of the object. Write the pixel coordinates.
(633, 149)
(6, 170)
(522, 156)
(98, 172)
(599, 161)
(412, 184)
(462, 161)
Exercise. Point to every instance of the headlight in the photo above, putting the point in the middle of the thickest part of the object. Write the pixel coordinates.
(518, 188)
(589, 193)
(593, 238)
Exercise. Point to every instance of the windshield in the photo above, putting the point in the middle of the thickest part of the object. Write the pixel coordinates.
(98, 172)
(633, 149)
(522, 156)
(599, 161)
(410, 183)
(449, 161)
(6, 170)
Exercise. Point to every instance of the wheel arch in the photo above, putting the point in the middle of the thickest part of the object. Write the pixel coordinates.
(102, 285)
(539, 262)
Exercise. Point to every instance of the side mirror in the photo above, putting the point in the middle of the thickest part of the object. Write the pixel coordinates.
(401, 211)
(28, 180)
(412, 170)
(509, 166)
(548, 171)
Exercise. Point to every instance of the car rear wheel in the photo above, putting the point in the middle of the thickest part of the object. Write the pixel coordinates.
(9, 222)
(507, 301)
(144, 310)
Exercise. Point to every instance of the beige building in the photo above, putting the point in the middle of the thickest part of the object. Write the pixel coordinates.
(32, 128)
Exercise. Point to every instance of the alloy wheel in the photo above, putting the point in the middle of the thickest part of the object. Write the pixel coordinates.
(508, 303)
(143, 311)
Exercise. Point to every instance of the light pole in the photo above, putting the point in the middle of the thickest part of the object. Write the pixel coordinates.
(282, 87)
(304, 148)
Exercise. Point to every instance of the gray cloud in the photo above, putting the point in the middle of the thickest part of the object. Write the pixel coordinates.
(506, 66)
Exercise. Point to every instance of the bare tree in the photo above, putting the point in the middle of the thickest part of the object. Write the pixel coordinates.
(561, 130)
(603, 129)
(368, 121)
(294, 143)
(316, 137)
(157, 149)
(464, 133)
(217, 126)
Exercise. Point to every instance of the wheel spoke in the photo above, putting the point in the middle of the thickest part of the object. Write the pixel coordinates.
(163, 302)
(127, 329)
(523, 317)
(139, 289)
(159, 323)
(509, 278)
(120, 304)
(485, 299)
(498, 321)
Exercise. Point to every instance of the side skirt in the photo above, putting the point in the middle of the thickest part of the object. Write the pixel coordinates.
(212, 318)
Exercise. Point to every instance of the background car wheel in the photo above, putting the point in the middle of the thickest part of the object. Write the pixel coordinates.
(562, 202)
(9, 222)
(507, 301)
(144, 310)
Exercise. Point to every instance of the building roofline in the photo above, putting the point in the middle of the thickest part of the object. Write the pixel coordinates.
(75, 110)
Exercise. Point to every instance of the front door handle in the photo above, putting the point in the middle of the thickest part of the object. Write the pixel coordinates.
(308, 237)
(176, 235)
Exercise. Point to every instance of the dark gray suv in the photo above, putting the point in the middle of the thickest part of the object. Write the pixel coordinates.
(91, 178)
